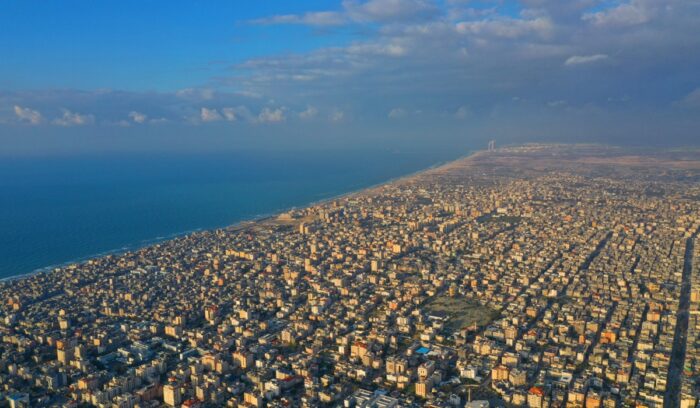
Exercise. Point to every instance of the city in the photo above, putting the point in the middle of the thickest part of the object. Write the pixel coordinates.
(543, 275)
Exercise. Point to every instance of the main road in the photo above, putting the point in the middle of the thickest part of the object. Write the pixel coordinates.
(675, 367)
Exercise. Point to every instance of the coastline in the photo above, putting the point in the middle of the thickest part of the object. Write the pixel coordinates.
(238, 225)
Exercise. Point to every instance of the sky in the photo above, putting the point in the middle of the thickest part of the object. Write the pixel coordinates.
(80, 77)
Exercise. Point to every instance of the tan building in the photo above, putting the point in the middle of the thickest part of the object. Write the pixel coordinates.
(172, 395)
(243, 360)
(424, 388)
(426, 369)
(253, 399)
(535, 397)
(499, 373)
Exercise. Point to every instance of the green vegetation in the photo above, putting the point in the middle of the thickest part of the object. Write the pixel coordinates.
(461, 312)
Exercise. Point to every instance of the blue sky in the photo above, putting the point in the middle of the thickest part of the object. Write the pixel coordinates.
(85, 76)
(137, 45)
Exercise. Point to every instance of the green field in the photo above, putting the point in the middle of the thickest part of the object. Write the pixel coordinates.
(461, 312)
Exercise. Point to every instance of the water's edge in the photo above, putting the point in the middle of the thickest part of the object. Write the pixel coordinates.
(262, 217)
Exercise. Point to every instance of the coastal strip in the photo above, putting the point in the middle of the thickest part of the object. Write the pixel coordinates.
(238, 225)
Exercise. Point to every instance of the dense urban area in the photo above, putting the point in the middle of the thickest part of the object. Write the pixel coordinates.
(539, 276)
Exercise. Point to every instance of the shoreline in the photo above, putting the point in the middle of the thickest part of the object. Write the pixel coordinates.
(237, 225)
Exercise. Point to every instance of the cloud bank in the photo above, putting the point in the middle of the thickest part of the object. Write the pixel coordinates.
(535, 69)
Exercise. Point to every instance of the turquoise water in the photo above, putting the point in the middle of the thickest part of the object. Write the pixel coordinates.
(60, 209)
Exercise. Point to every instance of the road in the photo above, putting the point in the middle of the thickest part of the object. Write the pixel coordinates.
(675, 367)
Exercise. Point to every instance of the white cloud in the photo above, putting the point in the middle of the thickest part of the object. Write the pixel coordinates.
(393, 50)
(359, 12)
(229, 114)
(303, 77)
(249, 94)
(196, 93)
(692, 100)
(463, 112)
(313, 18)
(268, 115)
(337, 115)
(209, 115)
(28, 115)
(309, 113)
(440, 63)
(74, 119)
(556, 104)
(634, 13)
(396, 113)
(584, 59)
(122, 123)
(138, 117)
(507, 27)
(390, 10)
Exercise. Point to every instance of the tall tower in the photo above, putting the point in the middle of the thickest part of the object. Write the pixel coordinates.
(492, 145)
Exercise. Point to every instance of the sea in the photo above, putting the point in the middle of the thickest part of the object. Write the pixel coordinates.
(64, 209)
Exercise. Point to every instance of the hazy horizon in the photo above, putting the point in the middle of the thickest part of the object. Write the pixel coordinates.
(84, 77)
